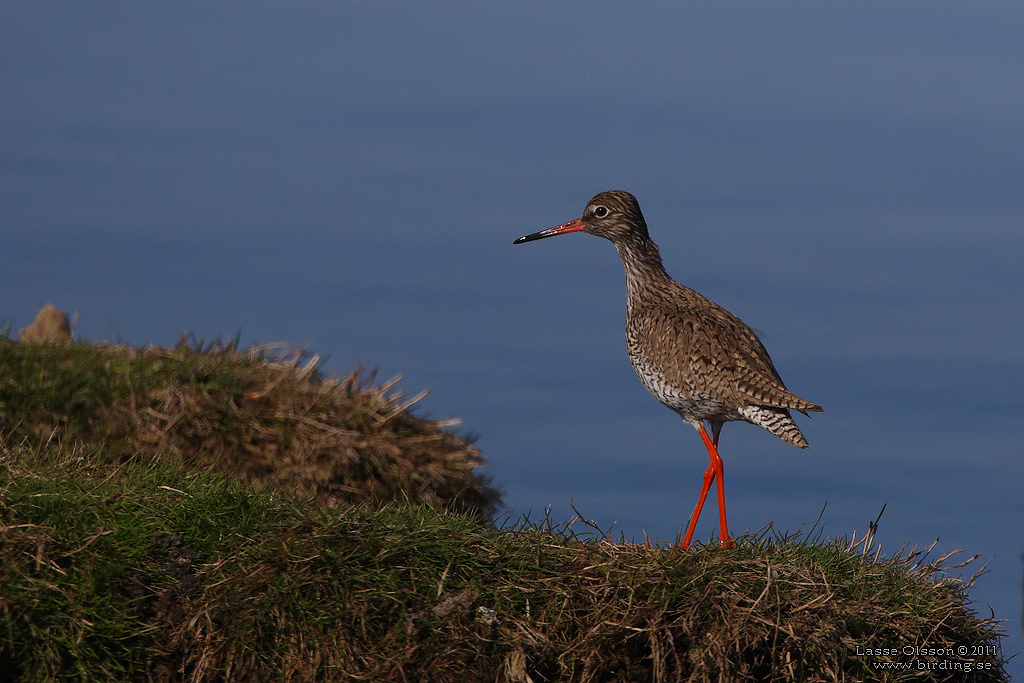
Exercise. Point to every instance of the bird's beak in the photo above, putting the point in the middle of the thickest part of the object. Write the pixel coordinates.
(572, 226)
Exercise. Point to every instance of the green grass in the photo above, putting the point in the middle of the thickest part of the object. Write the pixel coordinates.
(122, 558)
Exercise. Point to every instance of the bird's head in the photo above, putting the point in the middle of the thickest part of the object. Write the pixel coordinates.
(614, 215)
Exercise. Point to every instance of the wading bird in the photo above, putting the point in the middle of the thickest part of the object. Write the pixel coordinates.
(694, 356)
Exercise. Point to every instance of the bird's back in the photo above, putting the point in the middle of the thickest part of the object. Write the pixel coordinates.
(705, 363)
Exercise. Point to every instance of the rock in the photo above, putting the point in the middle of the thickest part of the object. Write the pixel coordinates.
(50, 327)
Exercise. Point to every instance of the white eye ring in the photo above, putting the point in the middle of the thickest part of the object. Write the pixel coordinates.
(601, 211)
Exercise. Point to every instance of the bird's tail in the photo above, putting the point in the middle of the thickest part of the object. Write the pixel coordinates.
(778, 421)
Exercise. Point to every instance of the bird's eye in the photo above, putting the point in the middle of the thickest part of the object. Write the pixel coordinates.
(601, 211)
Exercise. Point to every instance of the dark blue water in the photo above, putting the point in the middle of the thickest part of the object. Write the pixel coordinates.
(349, 177)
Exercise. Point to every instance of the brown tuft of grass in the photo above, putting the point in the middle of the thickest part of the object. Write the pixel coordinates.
(268, 419)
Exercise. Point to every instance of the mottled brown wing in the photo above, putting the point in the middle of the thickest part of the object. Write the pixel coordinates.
(708, 350)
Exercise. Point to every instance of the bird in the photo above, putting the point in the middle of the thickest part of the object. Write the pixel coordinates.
(691, 354)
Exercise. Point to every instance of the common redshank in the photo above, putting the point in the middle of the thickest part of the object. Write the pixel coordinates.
(694, 356)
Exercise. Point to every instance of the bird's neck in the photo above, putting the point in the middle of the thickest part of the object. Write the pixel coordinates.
(645, 275)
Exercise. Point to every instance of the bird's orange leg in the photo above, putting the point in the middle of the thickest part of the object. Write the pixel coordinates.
(709, 476)
(716, 463)
(713, 472)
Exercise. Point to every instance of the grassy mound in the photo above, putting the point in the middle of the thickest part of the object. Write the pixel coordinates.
(257, 417)
(146, 570)
(125, 556)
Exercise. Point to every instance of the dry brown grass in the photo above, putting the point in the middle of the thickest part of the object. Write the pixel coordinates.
(268, 419)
